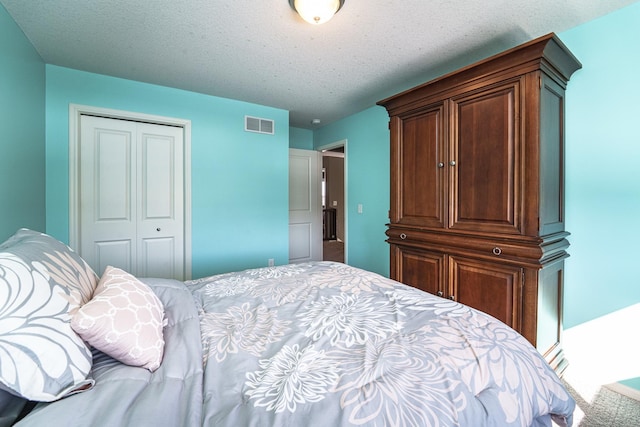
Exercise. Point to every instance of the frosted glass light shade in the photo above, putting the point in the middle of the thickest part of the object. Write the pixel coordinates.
(316, 11)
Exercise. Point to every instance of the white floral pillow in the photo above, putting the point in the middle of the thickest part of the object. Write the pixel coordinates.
(124, 319)
(42, 283)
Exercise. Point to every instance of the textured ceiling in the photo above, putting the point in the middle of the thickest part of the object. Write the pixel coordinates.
(260, 51)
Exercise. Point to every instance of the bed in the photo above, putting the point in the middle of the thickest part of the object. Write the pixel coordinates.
(319, 343)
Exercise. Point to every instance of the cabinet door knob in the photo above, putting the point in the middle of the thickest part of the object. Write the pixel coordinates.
(403, 236)
(440, 293)
(452, 298)
(452, 162)
(440, 165)
(158, 229)
(496, 251)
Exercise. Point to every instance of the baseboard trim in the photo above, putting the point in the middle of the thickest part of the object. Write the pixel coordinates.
(624, 390)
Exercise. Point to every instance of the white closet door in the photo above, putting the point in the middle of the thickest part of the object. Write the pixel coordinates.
(160, 201)
(131, 196)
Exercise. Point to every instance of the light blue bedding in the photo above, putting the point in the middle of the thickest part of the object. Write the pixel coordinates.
(320, 344)
(325, 344)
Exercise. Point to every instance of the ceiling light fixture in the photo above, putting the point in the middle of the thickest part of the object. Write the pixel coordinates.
(316, 11)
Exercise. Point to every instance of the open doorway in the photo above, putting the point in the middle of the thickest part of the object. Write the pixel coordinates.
(334, 201)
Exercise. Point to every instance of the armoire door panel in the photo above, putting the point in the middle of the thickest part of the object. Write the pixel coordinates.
(422, 180)
(492, 288)
(485, 163)
(420, 269)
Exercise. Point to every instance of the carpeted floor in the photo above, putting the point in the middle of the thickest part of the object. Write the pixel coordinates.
(333, 250)
(605, 408)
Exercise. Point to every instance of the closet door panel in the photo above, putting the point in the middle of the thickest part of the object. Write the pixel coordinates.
(160, 231)
(108, 192)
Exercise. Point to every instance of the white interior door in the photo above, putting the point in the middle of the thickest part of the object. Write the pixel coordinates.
(305, 215)
(131, 197)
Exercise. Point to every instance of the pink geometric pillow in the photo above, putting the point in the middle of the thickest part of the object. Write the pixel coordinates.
(124, 319)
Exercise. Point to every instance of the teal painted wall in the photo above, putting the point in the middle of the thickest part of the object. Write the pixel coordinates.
(367, 177)
(240, 200)
(22, 146)
(603, 176)
(300, 138)
(633, 383)
(603, 172)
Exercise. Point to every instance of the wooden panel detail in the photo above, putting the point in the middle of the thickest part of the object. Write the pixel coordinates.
(487, 161)
(489, 287)
(421, 172)
(420, 269)
(551, 157)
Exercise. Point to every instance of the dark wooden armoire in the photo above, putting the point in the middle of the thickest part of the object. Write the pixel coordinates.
(477, 188)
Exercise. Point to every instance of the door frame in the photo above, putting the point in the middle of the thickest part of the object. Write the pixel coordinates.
(75, 111)
(331, 146)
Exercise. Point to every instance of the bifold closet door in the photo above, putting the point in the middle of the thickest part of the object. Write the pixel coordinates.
(131, 196)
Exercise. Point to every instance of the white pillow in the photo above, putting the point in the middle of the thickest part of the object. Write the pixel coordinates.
(124, 319)
(42, 283)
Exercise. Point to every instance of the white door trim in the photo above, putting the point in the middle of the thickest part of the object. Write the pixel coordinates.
(331, 146)
(75, 111)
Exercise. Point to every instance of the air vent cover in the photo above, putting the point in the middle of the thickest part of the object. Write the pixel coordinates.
(256, 124)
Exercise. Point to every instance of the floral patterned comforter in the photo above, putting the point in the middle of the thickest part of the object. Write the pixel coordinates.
(327, 344)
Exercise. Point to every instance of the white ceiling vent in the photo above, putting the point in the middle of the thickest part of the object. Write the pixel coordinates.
(256, 124)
